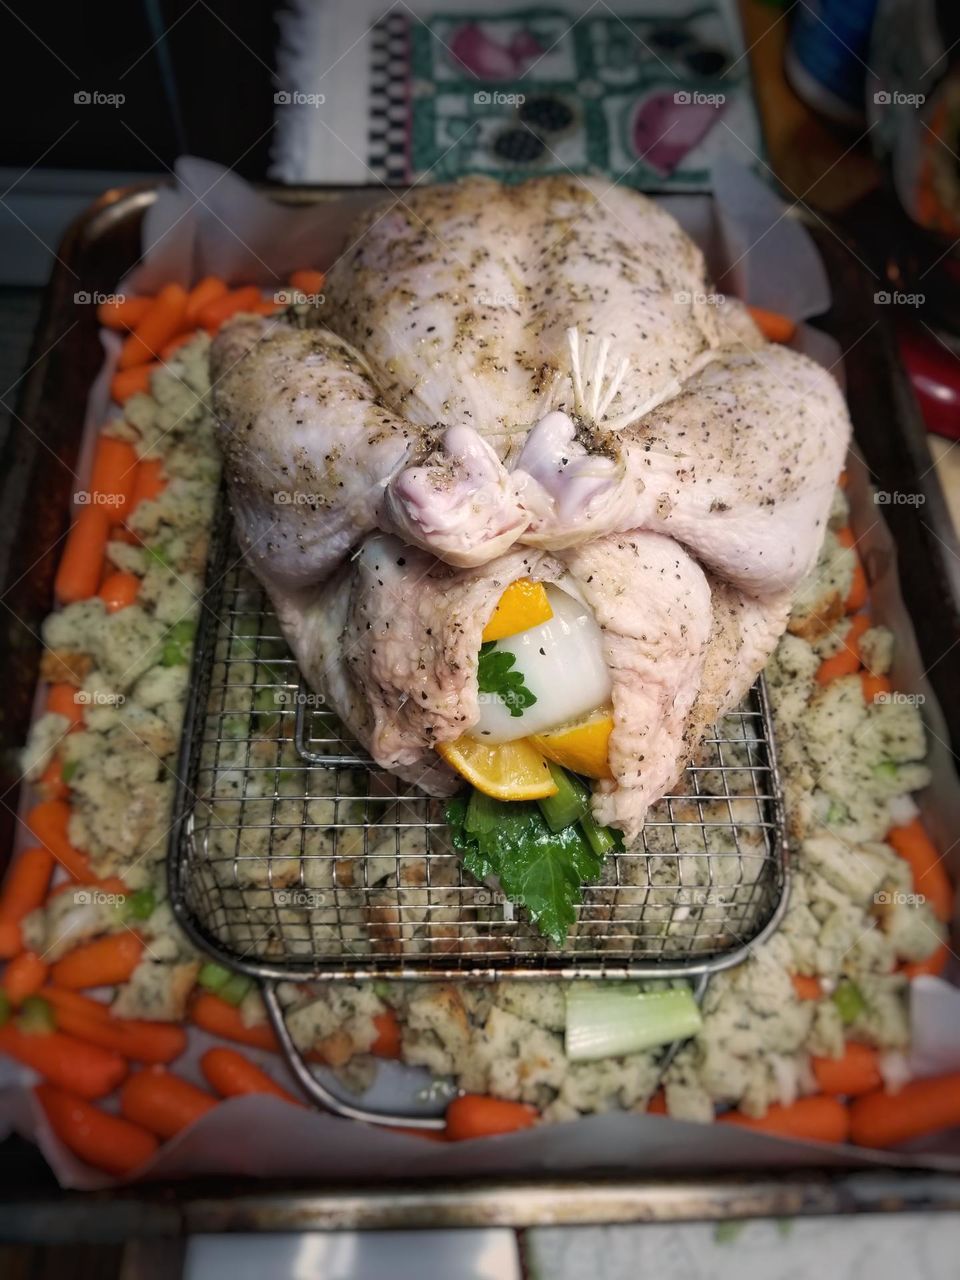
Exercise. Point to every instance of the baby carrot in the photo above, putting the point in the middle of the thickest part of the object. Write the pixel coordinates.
(774, 326)
(162, 1102)
(307, 280)
(846, 661)
(104, 962)
(929, 875)
(475, 1116)
(112, 475)
(223, 1019)
(128, 382)
(62, 701)
(150, 482)
(817, 1119)
(934, 964)
(78, 574)
(51, 785)
(162, 321)
(11, 939)
(123, 314)
(882, 1119)
(657, 1106)
(388, 1041)
(119, 590)
(25, 887)
(135, 1039)
(206, 291)
(215, 313)
(859, 593)
(48, 822)
(23, 976)
(107, 1142)
(233, 1076)
(873, 686)
(855, 1073)
(806, 988)
(85, 1069)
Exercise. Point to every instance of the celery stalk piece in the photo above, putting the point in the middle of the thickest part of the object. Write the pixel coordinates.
(36, 1017)
(235, 988)
(600, 839)
(212, 977)
(483, 813)
(612, 1020)
(849, 1001)
(570, 803)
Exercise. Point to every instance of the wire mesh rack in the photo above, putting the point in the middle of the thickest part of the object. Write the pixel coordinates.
(296, 857)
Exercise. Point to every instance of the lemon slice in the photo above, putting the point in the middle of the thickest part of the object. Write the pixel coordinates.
(523, 605)
(504, 770)
(581, 747)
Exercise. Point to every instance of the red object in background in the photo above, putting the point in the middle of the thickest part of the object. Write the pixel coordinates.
(934, 370)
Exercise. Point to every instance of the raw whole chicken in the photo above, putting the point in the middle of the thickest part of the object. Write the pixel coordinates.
(526, 384)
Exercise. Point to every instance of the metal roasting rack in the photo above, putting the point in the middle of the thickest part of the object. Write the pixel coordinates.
(295, 858)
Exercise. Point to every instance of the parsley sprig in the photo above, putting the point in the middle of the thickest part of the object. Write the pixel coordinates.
(495, 675)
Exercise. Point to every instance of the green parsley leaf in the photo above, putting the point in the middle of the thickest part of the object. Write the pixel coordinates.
(494, 675)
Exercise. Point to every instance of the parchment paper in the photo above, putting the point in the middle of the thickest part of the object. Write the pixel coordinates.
(212, 222)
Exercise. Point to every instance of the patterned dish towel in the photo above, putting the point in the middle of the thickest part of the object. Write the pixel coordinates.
(650, 94)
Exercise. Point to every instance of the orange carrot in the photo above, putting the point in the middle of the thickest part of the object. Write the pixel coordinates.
(163, 1102)
(266, 307)
(11, 939)
(807, 988)
(113, 474)
(104, 962)
(119, 590)
(389, 1039)
(817, 1119)
(232, 1076)
(657, 1106)
(74, 1001)
(25, 887)
(882, 1119)
(78, 574)
(859, 592)
(934, 964)
(135, 1039)
(475, 1116)
(843, 479)
(846, 537)
(85, 1069)
(162, 321)
(150, 482)
(23, 976)
(856, 1072)
(873, 686)
(62, 701)
(171, 349)
(48, 823)
(215, 313)
(846, 661)
(128, 382)
(206, 291)
(107, 1142)
(307, 280)
(774, 326)
(929, 874)
(125, 314)
(223, 1019)
(51, 785)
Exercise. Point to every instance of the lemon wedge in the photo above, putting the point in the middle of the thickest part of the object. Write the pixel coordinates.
(581, 747)
(504, 770)
(523, 605)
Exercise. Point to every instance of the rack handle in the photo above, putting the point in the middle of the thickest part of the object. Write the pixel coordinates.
(316, 1091)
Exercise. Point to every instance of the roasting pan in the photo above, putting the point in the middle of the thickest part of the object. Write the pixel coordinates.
(45, 431)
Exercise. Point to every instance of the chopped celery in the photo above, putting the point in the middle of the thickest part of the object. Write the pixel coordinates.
(36, 1016)
(885, 771)
(176, 644)
(849, 1001)
(142, 904)
(4, 1009)
(601, 839)
(159, 556)
(382, 990)
(617, 1019)
(235, 988)
(570, 803)
(483, 813)
(212, 977)
(68, 770)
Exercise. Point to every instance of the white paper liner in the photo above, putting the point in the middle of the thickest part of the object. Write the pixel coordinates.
(186, 238)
